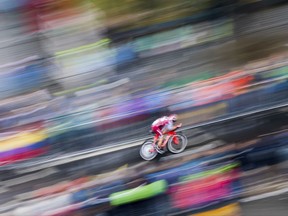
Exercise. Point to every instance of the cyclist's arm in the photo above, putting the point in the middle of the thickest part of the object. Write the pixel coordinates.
(170, 127)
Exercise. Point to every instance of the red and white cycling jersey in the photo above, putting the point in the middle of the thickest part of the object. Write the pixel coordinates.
(161, 124)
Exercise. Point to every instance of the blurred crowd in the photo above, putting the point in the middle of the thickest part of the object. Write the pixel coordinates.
(207, 182)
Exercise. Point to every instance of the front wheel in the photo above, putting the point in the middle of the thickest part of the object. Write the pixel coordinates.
(177, 143)
(147, 151)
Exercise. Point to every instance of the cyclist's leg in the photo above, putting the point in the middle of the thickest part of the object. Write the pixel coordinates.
(164, 138)
(157, 131)
(161, 138)
(165, 131)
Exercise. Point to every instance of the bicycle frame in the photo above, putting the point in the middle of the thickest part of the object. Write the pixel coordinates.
(169, 134)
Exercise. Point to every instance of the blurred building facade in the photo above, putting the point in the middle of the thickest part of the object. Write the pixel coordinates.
(90, 86)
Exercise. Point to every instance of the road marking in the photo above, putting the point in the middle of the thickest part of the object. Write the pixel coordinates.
(266, 195)
(3, 189)
(30, 177)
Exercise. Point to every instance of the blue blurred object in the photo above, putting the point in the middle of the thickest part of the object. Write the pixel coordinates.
(23, 79)
(125, 54)
(98, 192)
(268, 151)
(31, 76)
(282, 154)
(8, 5)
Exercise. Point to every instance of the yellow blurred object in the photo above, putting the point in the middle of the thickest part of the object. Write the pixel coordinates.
(22, 140)
(229, 210)
(102, 42)
(122, 167)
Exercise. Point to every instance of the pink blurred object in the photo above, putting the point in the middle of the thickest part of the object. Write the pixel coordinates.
(22, 156)
(202, 191)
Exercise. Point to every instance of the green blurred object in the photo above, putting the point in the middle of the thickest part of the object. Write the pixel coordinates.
(189, 79)
(278, 72)
(208, 173)
(139, 193)
(101, 43)
(186, 36)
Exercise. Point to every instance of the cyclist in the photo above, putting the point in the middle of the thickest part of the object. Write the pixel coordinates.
(163, 125)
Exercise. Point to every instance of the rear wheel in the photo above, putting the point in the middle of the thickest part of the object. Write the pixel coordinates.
(177, 143)
(147, 151)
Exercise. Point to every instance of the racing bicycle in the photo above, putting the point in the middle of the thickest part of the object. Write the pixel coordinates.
(173, 142)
